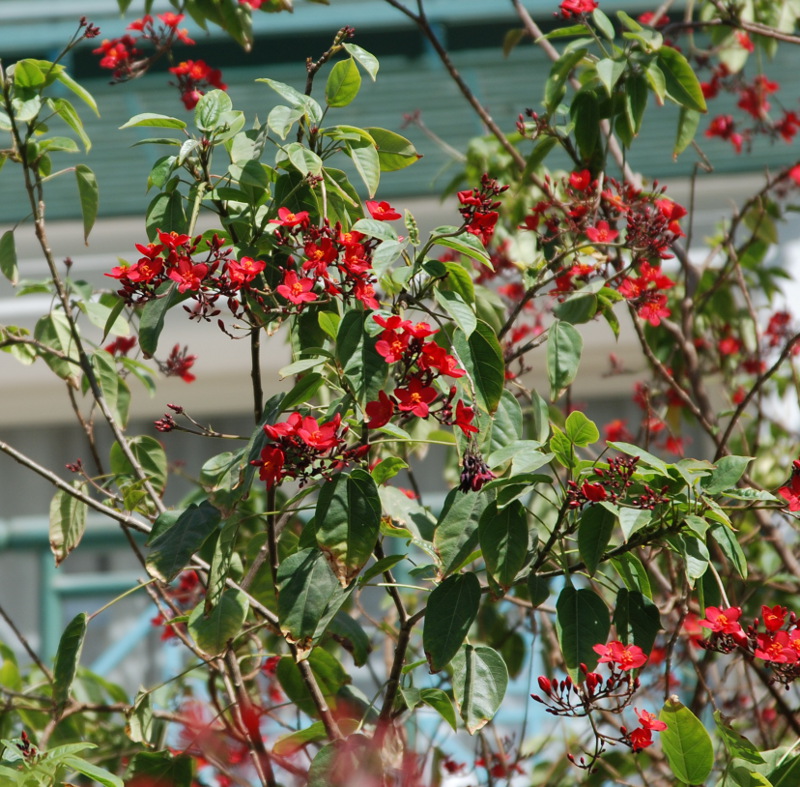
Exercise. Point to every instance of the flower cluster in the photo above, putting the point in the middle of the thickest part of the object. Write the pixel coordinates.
(570, 8)
(753, 100)
(479, 208)
(300, 447)
(616, 485)
(418, 363)
(777, 643)
(126, 57)
(334, 263)
(204, 275)
(178, 364)
(790, 491)
(591, 692)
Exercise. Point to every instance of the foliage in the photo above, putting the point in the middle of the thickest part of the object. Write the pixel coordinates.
(604, 553)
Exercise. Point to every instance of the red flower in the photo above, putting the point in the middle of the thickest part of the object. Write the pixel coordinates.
(464, 416)
(380, 411)
(392, 346)
(322, 437)
(640, 738)
(436, 357)
(602, 233)
(574, 7)
(243, 271)
(288, 219)
(381, 211)
(790, 491)
(724, 621)
(270, 465)
(777, 648)
(594, 493)
(296, 290)
(723, 127)
(581, 180)
(178, 364)
(188, 275)
(773, 617)
(121, 345)
(626, 657)
(616, 431)
(649, 721)
(415, 398)
(482, 225)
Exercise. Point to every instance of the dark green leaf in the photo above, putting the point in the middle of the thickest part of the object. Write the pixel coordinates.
(636, 619)
(577, 309)
(688, 121)
(686, 744)
(348, 516)
(503, 538)
(171, 551)
(482, 357)
(152, 320)
(452, 607)
(67, 522)
(456, 534)
(585, 114)
(309, 596)
(68, 657)
(329, 673)
(728, 543)
(166, 213)
(480, 679)
(214, 631)
(594, 533)
(362, 365)
(160, 768)
(89, 197)
(582, 621)
(348, 633)
(555, 87)
(564, 347)
(8, 257)
(92, 771)
(462, 314)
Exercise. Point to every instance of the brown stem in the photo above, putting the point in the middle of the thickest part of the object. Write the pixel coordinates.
(25, 644)
(255, 373)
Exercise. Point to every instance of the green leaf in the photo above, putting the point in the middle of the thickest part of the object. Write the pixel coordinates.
(89, 197)
(367, 163)
(8, 257)
(160, 768)
(462, 313)
(452, 607)
(480, 679)
(503, 538)
(214, 631)
(686, 744)
(289, 745)
(166, 212)
(464, 244)
(387, 468)
(603, 24)
(632, 572)
(728, 543)
(344, 82)
(441, 703)
(306, 161)
(309, 596)
(636, 619)
(562, 447)
(222, 559)
(363, 367)
(455, 538)
(92, 771)
(577, 309)
(555, 87)
(153, 120)
(211, 108)
(68, 657)
(582, 622)
(688, 121)
(172, 549)
(633, 519)
(736, 744)
(482, 357)
(366, 60)
(304, 391)
(726, 474)
(564, 347)
(150, 455)
(84, 95)
(67, 522)
(609, 71)
(682, 84)
(394, 151)
(350, 635)
(581, 430)
(594, 533)
(152, 320)
(348, 517)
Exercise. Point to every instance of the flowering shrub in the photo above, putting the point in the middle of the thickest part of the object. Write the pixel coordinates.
(300, 557)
